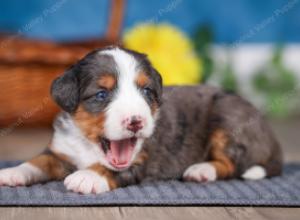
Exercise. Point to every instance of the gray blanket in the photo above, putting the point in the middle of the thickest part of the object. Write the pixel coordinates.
(277, 191)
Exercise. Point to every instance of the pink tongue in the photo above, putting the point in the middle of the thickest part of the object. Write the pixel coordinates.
(120, 153)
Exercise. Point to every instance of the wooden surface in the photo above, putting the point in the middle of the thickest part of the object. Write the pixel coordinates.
(145, 213)
(23, 144)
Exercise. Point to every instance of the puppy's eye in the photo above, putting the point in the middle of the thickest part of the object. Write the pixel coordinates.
(147, 91)
(101, 95)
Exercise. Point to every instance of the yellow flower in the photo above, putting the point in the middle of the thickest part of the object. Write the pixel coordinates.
(169, 50)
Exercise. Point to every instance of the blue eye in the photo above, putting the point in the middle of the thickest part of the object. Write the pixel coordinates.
(147, 91)
(101, 95)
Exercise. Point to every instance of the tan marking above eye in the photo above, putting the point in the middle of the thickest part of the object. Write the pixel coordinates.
(107, 81)
(142, 80)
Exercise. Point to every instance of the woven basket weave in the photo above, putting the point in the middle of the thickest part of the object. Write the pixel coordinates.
(27, 68)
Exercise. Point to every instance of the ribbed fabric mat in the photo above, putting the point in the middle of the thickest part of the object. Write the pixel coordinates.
(277, 191)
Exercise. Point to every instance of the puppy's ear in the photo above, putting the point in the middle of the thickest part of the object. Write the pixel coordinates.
(65, 91)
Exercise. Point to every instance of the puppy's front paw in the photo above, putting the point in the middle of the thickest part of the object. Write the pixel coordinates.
(200, 172)
(86, 182)
(21, 175)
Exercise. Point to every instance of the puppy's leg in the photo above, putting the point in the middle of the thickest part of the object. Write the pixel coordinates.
(97, 179)
(94, 179)
(220, 166)
(47, 166)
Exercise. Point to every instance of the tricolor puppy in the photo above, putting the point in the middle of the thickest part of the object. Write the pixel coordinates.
(120, 127)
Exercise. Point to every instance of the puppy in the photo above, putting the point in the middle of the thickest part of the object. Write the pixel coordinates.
(120, 127)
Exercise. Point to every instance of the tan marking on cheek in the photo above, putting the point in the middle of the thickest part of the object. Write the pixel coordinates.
(91, 125)
(154, 108)
(107, 81)
(50, 165)
(223, 164)
(142, 80)
(104, 172)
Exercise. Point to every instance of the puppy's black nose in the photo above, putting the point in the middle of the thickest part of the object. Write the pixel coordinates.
(135, 124)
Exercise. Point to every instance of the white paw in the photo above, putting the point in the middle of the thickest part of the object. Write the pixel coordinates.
(255, 173)
(21, 175)
(200, 172)
(86, 182)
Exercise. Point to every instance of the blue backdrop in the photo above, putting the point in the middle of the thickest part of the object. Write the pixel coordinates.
(231, 20)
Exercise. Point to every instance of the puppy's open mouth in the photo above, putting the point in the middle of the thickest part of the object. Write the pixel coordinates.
(118, 153)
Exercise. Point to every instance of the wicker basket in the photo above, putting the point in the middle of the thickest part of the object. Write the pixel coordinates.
(27, 68)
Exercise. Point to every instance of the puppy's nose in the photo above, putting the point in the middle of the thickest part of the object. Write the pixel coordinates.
(135, 124)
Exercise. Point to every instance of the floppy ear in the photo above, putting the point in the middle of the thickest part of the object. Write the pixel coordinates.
(65, 91)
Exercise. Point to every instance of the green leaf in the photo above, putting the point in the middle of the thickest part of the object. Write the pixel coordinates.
(228, 79)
